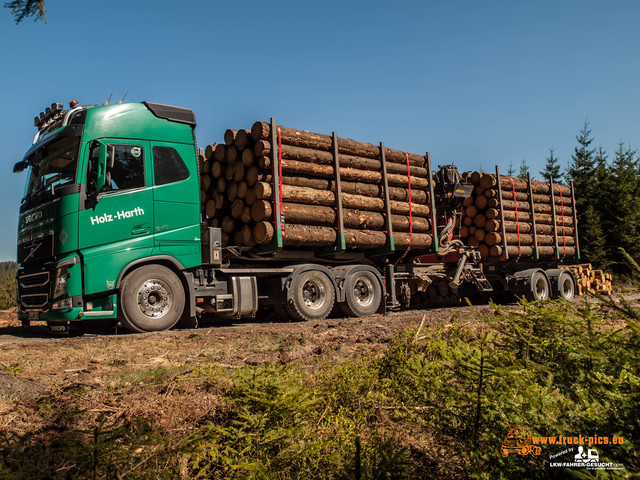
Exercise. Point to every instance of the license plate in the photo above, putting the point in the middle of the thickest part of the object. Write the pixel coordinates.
(33, 315)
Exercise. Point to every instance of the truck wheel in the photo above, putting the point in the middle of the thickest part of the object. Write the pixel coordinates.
(566, 286)
(538, 288)
(152, 298)
(313, 296)
(362, 294)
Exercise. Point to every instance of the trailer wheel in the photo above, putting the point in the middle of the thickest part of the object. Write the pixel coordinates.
(313, 296)
(566, 286)
(152, 298)
(363, 294)
(538, 287)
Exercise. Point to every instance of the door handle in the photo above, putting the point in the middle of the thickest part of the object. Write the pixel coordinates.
(140, 229)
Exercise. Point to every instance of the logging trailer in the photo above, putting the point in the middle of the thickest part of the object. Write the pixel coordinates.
(113, 226)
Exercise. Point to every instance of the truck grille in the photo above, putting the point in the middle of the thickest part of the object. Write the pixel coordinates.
(34, 287)
(35, 250)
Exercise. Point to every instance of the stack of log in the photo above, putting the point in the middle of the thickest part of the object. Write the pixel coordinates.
(440, 293)
(591, 281)
(482, 216)
(238, 189)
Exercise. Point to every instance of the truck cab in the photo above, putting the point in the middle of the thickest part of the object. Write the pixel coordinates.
(109, 189)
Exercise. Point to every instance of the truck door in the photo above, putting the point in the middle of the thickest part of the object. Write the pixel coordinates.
(176, 198)
(117, 226)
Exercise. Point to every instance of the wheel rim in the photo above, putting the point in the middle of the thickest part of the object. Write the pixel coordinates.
(363, 291)
(313, 294)
(566, 288)
(154, 298)
(541, 289)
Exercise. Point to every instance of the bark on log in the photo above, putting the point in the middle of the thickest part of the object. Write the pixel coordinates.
(495, 238)
(525, 206)
(355, 188)
(326, 216)
(352, 174)
(489, 181)
(310, 196)
(542, 251)
(302, 138)
(314, 237)
(326, 158)
(493, 225)
(510, 215)
(524, 197)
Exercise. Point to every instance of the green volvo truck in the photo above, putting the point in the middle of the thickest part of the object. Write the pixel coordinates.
(110, 228)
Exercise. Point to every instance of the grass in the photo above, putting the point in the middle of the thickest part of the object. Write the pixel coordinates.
(435, 403)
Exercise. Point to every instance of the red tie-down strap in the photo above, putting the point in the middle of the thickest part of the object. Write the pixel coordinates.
(280, 180)
(410, 212)
(515, 201)
(564, 239)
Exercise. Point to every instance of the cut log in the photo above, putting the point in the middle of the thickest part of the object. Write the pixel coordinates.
(236, 208)
(248, 157)
(232, 191)
(220, 152)
(524, 197)
(242, 139)
(525, 206)
(489, 181)
(310, 196)
(355, 188)
(351, 174)
(326, 158)
(495, 238)
(301, 138)
(216, 169)
(230, 136)
(231, 155)
(326, 216)
(493, 225)
(210, 208)
(314, 236)
(242, 189)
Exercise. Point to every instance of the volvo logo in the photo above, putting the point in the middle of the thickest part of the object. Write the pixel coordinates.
(33, 217)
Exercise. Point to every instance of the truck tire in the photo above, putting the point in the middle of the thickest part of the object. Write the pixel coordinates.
(362, 293)
(313, 296)
(152, 298)
(539, 287)
(565, 286)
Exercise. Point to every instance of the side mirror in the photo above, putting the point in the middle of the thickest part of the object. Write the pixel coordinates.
(20, 166)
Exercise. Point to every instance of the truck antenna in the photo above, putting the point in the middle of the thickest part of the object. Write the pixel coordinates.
(107, 102)
(125, 96)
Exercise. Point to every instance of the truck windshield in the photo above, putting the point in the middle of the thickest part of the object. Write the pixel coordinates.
(53, 165)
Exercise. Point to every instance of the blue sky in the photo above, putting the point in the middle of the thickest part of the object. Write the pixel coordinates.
(475, 83)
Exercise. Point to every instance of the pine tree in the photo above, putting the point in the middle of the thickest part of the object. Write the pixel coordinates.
(582, 166)
(511, 171)
(624, 212)
(581, 170)
(593, 241)
(551, 168)
(524, 169)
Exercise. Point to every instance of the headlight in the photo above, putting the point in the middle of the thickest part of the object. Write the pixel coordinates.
(62, 304)
(60, 285)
